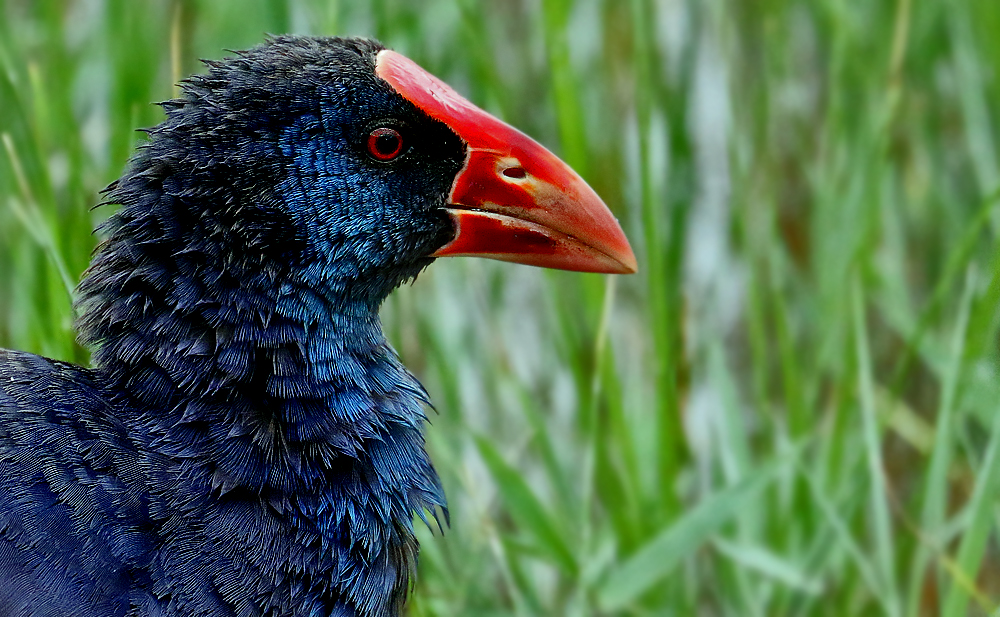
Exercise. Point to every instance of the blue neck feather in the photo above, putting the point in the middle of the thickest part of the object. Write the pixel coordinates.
(233, 312)
(259, 389)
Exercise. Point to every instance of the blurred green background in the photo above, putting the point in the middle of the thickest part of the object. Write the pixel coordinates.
(791, 410)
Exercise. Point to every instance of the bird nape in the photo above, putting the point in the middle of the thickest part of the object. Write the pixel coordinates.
(247, 442)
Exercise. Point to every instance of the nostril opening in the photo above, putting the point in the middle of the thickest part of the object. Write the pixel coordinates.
(517, 173)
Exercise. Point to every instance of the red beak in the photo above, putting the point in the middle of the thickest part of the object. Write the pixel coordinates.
(514, 200)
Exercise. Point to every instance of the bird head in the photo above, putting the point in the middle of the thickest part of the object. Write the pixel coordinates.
(357, 168)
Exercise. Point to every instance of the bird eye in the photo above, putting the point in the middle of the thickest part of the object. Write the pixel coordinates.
(385, 143)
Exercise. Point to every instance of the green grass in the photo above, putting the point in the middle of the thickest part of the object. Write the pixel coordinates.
(791, 410)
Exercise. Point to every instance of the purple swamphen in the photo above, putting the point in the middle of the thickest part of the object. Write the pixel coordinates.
(247, 442)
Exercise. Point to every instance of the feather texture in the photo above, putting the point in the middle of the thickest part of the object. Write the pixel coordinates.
(247, 442)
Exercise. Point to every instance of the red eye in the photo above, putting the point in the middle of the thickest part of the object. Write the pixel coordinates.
(385, 143)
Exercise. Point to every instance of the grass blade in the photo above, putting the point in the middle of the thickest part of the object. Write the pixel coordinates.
(884, 549)
(677, 542)
(526, 507)
(973, 544)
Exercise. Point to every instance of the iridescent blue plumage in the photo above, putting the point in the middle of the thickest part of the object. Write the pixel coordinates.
(247, 442)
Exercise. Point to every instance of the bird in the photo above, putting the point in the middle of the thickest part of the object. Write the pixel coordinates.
(246, 441)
